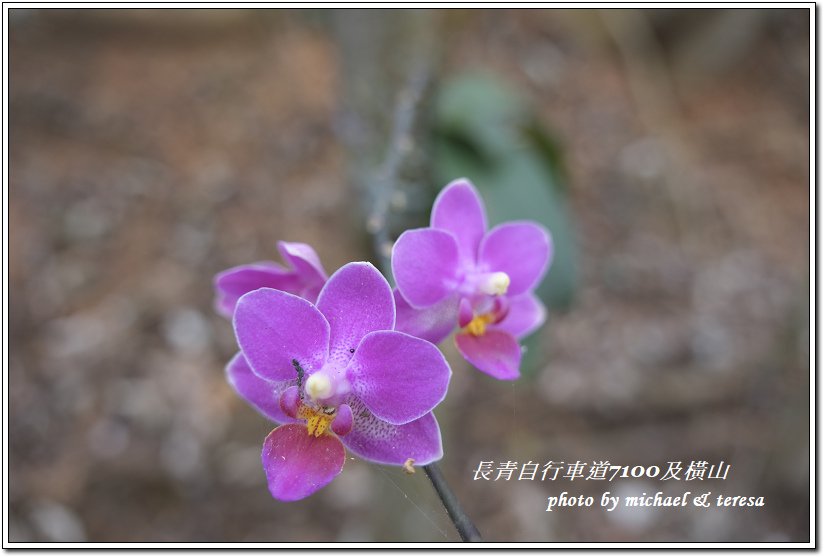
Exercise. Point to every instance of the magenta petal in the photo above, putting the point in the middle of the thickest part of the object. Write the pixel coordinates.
(304, 260)
(311, 292)
(465, 313)
(500, 308)
(385, 443)
(233, 283)
(274, 328)
(495, 353)
(460, 210)
(290, 401)
(397, 376)
(261, 394)
(425, 265)
(355, 301)
(433, 323)
(522, 250)
(298, 464)
(342, 424)
(526, 313)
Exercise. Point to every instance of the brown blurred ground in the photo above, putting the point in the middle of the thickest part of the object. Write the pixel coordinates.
(149, 150)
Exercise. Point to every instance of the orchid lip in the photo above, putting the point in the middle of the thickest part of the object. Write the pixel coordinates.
(477, 327)
(489, 312)
(318, 420)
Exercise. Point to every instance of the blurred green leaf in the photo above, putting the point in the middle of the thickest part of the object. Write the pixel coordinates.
(487, 133)
(479, 111)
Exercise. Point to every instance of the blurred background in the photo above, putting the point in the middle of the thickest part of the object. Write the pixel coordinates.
(667, 150)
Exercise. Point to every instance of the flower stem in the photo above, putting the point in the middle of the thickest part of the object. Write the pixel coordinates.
(375, 44)
(463, 524)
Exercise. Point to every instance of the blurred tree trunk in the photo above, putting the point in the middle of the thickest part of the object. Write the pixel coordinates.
(388, 65)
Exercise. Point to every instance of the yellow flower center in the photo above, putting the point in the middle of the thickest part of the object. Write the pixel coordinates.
(317, 419)
(477, 327)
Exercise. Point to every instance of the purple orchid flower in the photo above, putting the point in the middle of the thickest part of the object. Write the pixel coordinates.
(456, 271)
(336, 374)
(305, 278)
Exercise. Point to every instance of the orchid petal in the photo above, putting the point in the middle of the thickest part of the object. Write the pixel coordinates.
(342, 424)
(425, 265)
(304, 260)
(500, 308)
(290, 401)
(433, 323)
(495, 353)
(465, 312)
(275, 329)
(522, 250)
(397, 376)
(311, 292)
(261, 394)
(459, 209)
(355, 301)
(526, 314)
(379, 441)
(233, 283)
(298, 464)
